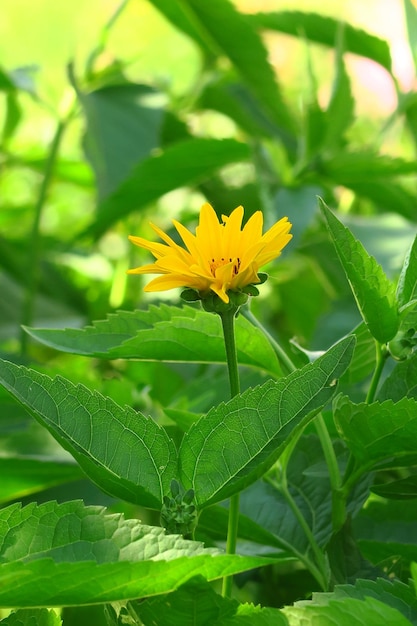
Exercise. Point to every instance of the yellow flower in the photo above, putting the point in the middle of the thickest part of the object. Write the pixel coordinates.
(220, 257)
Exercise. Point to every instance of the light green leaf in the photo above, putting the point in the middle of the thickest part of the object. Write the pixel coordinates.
(386, 530)
(235, 443)
(407, 282)
(125, 453)
(243, 46)
(164, 333)
(123, 127)
(374, 293)
(378, 432)
(32, 617)
(411, 21)
(322, 29)
(345, 612)
(81, 555)
(184, 163)
(364, 356)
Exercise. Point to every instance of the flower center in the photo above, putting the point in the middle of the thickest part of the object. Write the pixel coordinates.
(215, 263)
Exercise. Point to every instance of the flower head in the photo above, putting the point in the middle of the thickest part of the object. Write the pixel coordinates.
(220, 257)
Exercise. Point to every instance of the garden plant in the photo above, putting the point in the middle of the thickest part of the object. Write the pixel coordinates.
(208, 327)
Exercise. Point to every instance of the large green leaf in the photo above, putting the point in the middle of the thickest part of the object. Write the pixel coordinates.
(81, 555)
(125, 453)
(236, 442)
(378, 432)
(184, 163)
(243, 46)
(324, 30)
(374, 293)
(164, 333)
(123, 127)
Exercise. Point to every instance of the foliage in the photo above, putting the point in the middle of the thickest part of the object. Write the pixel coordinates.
(114, 404)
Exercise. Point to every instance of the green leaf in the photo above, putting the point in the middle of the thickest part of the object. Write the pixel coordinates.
(123, 127)
(125, 453)
(184, 163)
(32, 617)
(196, 603)
(402, 489)
(324, 30)
(235, 443)
(80, 555)
(378, 432)
(243, 46)
(164, 333)
(394, 593)
(374, 293)
(363, 360)
(407, 282)
(345, 612)
(340, 111)
(386, 532)
(402, 382)
(411, 21)
(22, 476)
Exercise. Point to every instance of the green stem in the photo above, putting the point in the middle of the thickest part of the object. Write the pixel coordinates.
(228, 325)
(281, 354)
(34, 250)
(381, 354)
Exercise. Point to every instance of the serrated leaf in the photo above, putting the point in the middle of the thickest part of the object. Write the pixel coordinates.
(81, 555)
(250, 59)
(125, 453)
(374, 293)
(386, 532)
(363, 360)
(183, 163)
(379, 431)
(32, 617)
(345, 612)
(236, 442)
(340, 111)
(407, 282)
(164, 333)
(394, 593)
(322, 29)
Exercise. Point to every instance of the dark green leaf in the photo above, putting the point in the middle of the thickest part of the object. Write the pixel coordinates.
(374, 293)
(125, 453)
(322, 29)
(123, 127)
(184, 163)
(386, 531)
(236, 442)
(402, 382)
(402, 489)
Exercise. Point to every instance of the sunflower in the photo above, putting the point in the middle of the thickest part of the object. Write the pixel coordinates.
(220, 257)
